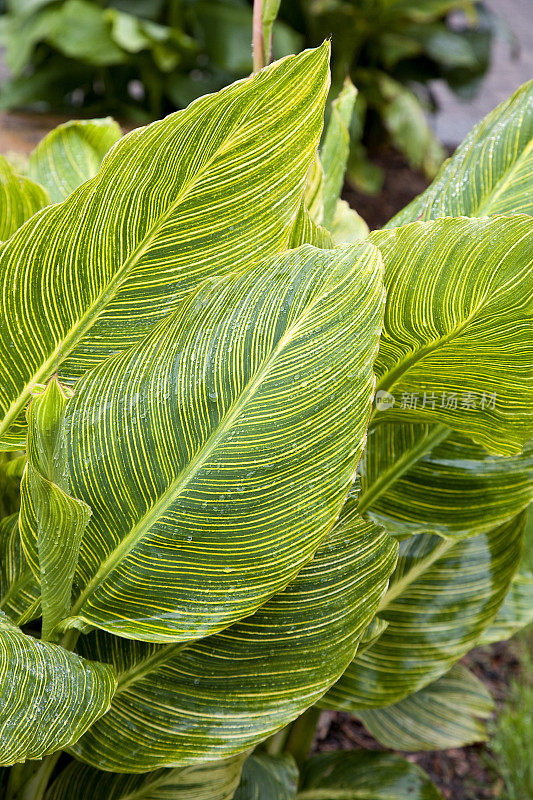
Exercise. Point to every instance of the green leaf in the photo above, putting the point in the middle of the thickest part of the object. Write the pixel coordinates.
(347, 226)
(20, 199)
(267, 777)
(305, 231)
(177, 704)
(48, 512)
(71, 154)
(336, 148)
(19, 590)
(458, 295)
(230, 447)
(418, 477)
(450, 712)
(82, 31)
(442, 595)
(215, 781)
(489, 173)
(353, 775)
(48, 696)
(188, 197)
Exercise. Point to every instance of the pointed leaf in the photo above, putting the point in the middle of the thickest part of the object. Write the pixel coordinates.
(489, 173)
(458, 294)
(347, 226)
(187, 197)
(267, 777)
(226, 693)
(442, 595)
(305, 231)
(353, 775)
(71, 154)
(450, 712)
(230, 446)
(417, 477)
(48, 696)
(19, 590)
(20, 199)
(216, 781)
(336, 148)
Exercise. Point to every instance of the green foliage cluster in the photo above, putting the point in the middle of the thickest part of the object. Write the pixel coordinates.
(258, 461)
(144, 58)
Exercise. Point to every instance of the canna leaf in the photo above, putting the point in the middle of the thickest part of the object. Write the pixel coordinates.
(217, 781)
(336, 148)
(188, 197)
(20, 199)
(19, 590)
(359, 775)
(178, 704)
(489, 173)
(267, 777)
(48, 696)
(417, 477)
(347, 226)
(231, 436)
(305, 231)
(48, 512)
(71, 154)
(442, 596)
(458, 322)
(451, 712)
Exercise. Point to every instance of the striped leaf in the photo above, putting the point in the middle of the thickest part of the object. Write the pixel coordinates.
(305, 231)
(231, 436)
(267, 777)
(458, 325)
(179, 704)
(19, 590)
(442, 595)
(216, 781)
(188, 197)
(419, 477)
(489, 173)
(336, 148)
(359, 775)
(20, 199)
(451, 712)
(48, 696)
(48, 513)
(71, 154)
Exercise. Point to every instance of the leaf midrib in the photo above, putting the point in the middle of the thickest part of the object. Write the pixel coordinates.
(182, 479)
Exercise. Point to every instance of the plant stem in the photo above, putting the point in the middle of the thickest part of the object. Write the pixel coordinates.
(301, 735)
(275, 744)
(258, 41)
(29, 781)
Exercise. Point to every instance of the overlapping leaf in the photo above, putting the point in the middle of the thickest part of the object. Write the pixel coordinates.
(450, 712)
(489, 173)
(458, 323)
(417, 477)
(216, 455)
(267, 777)
(19, 590)
(20, 198)
(217, 781)
(187, 197)
(442, 595)
(336, 148)
(359, 775)
(48, 696)
(71, 154)
(228, 692)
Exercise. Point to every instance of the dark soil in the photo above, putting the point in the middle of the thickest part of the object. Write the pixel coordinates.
(460, 774)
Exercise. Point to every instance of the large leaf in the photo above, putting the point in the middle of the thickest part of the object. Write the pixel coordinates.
(20, 199)
(48, 696)
(450, 712)
(267, 777)
(231, 436)
(352, 775)
(19, 589)
(458, 325)
(228, 692)
(489, 173)
(187, 197)
(71, 154)
(216, 781)
(417, 477)
(334, 152)
(442, 595)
